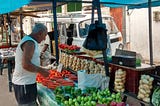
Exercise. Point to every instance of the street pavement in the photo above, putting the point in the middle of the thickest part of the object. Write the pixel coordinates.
(6, 98)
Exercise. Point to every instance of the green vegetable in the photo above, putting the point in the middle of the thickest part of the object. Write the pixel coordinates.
(58, 90)
(67, 89)
(59, 98)
(77, 92)
(156, 97)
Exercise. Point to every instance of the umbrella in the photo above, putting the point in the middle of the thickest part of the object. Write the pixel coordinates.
(11, 5)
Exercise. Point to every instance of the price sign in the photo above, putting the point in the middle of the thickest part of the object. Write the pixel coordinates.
(60, 66)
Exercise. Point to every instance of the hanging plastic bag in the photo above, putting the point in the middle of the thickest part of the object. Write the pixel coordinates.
(97, 35)
(96, 39)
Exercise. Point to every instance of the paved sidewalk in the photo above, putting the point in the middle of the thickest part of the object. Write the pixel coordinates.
(6, 98)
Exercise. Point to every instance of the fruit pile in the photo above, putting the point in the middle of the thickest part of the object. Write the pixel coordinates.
(56, 79)
(69, 49)
(70, 96)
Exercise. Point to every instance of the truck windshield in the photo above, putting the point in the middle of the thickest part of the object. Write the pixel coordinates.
(110, 26)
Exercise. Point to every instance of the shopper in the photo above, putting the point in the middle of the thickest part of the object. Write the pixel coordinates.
(45, 51)
(27, 65)
(14, 31)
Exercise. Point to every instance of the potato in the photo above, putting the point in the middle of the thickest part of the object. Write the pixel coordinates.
(140, 96)
(142, 91)
(119, 87)
(122, 90)
(150, 87)
(118, 77)
(118, 90)
(123, 80)
(119, 72)
(146, 95)
(118, 80)
(121, 84)
(145, 81)
(148, 91)
(141, 82)
(123, 76)
(151, 79)
(146, 99)
(145, 86)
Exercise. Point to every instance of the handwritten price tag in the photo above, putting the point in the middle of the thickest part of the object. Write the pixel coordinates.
(60, 66)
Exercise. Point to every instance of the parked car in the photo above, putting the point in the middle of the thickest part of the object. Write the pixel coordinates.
(74, 28)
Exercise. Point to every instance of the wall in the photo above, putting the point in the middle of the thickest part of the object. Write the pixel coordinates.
(138, 34)
(117, 14)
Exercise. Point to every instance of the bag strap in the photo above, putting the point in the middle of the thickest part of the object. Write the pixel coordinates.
(96, 4)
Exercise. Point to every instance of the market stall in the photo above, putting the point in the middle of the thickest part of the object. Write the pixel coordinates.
(135, 72)
(51, 82)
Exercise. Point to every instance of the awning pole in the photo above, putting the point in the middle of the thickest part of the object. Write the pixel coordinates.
(150, 31)
(54, 3)
(9, 28)
(21, 23)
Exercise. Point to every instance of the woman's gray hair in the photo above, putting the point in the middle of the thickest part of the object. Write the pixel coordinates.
(39, 27)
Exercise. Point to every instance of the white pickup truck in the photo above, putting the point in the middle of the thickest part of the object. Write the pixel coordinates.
(75, 26)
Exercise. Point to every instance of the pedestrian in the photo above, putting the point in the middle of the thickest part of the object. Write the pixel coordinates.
(27, 65)
(14, 32)
(45, 52)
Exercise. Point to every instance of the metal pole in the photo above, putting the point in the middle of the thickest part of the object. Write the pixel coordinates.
(21, 23)
(106, 65)
(150, 31)
(124, 25)
(54, 3)
(9, 29)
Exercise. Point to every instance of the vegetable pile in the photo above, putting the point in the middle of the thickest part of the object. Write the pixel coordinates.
(120, 78)
(71, 96)
(69, 49)
(55, 79)
(145, 88)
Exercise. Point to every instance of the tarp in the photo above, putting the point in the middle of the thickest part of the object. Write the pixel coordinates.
(144, 5)
(11, 5)
(115, 3)
(130, 3)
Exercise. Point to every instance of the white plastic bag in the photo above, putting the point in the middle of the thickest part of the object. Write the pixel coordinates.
(105, 82)
(89, 80)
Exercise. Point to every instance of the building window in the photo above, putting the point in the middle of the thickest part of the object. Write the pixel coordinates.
(74, 7)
